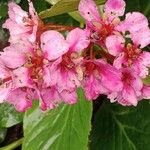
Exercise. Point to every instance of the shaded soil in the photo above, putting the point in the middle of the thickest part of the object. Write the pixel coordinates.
(13, 134)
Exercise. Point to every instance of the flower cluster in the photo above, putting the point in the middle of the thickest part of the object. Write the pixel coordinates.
(106, 57)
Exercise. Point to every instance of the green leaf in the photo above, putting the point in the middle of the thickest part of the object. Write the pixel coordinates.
(146, 80)
(63, 19)
(75, 15)
(64, 128)
(138, 5)
(52, 1)
(122, 128)
(63, 6)
(9, 116)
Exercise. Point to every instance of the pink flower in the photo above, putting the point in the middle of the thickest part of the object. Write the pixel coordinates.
(146, 92)
(21, 98)
(53, 44)
(114, 7)
(13, 90)
(49, 98)
(30, 61)
(102, 27)
(14, 55)
(128, 55)
(28, 65)
(131, 91)
(137, 26)
(63, 69)
(5, 82)
(21, 25)
(100, 78)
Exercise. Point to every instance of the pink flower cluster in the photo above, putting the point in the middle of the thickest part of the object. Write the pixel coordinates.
(106, 57)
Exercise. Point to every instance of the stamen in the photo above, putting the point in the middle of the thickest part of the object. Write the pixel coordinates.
(132, 53)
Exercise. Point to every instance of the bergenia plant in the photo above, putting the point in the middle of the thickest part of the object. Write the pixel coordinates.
(55, 72)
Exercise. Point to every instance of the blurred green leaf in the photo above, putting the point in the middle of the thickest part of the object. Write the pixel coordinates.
(3, 10)
(2, 134)
(9, 116)
(39, 5)
(138, 5)
(63, 6)
(17, 1)
(64, 128)
(122, 128)
(63, 19)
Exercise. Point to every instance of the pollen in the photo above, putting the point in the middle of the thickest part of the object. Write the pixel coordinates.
(132, 52)
(35, 62)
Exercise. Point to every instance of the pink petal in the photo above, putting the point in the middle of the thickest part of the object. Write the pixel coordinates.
(133, 22)
(16, 13)
(53, 44)
(100, 78)
(141, 37)
(115, 44)
(15, 28)
(4, 72)
(110, 77)
(78, 39)
(140, 69)
(115, 7)
(89, 10)
(136, 21)
(17, 32)
(93, 88)
(89, 88)
(142, 64)
(129, 95)
(112, 96)
(13, 56)
(137, 25)
(46, 77)
(145, 58)
(73, 77)
(4, 92)
(20, 99)
(119, 61)
(146, 92)
(21, 24)
(54, 72)
(49, 98)
(69, 97)
(64, 82)
(21, 77)
(136, 83)
(33, 13)
(132, 86)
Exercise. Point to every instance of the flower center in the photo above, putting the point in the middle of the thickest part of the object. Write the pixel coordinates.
(131, 53)
(89, 68)
(103, 31)
(127, 78)
(27, 21)
(67, 60)
(35, 62)
(2, 81)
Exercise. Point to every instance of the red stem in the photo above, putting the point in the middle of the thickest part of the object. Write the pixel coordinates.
(57, 27)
